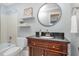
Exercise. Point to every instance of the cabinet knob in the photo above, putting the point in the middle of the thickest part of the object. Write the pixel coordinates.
(53, 47)
(33, 43)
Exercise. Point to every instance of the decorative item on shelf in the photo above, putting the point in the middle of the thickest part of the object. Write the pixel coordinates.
(21, 22)
(28, 11)
(74, 28)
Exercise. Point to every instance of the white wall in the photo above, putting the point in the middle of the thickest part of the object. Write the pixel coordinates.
(62, 26)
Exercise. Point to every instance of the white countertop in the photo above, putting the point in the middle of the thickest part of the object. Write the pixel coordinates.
(50, 38)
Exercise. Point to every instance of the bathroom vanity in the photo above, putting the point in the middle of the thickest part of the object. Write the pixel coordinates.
(47, 46)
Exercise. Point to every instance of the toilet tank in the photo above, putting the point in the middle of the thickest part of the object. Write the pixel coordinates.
(21, 42)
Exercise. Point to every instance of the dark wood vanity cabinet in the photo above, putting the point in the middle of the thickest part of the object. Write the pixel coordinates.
(42, 47)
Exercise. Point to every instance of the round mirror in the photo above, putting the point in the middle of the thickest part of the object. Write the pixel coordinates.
(49, 14)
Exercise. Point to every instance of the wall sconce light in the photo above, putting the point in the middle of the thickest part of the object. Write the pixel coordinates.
(74, 28)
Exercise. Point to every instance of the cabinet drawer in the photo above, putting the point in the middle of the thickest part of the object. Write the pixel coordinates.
(52, 53)
(58, 46)
(39, 43)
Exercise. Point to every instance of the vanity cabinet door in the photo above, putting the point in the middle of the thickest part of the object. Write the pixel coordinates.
(35, 51)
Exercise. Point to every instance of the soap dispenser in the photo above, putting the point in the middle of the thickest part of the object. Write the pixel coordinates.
(38, 33)
(47, 33)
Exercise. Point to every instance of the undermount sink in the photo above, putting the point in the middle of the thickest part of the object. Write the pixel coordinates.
(45, 37)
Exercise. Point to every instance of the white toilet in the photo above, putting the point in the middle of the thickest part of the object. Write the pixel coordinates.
(21, 43)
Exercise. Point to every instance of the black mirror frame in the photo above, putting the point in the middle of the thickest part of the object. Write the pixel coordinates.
(49, 25)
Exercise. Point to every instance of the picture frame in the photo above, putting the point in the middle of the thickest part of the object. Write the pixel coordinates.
(28, 11)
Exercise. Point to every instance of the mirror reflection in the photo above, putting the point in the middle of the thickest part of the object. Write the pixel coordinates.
(49, 14)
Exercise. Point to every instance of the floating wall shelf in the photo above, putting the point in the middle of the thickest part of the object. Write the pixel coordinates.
(24, 25)
(28, 17)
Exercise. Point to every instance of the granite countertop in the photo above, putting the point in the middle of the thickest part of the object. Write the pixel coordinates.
(50, 38)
